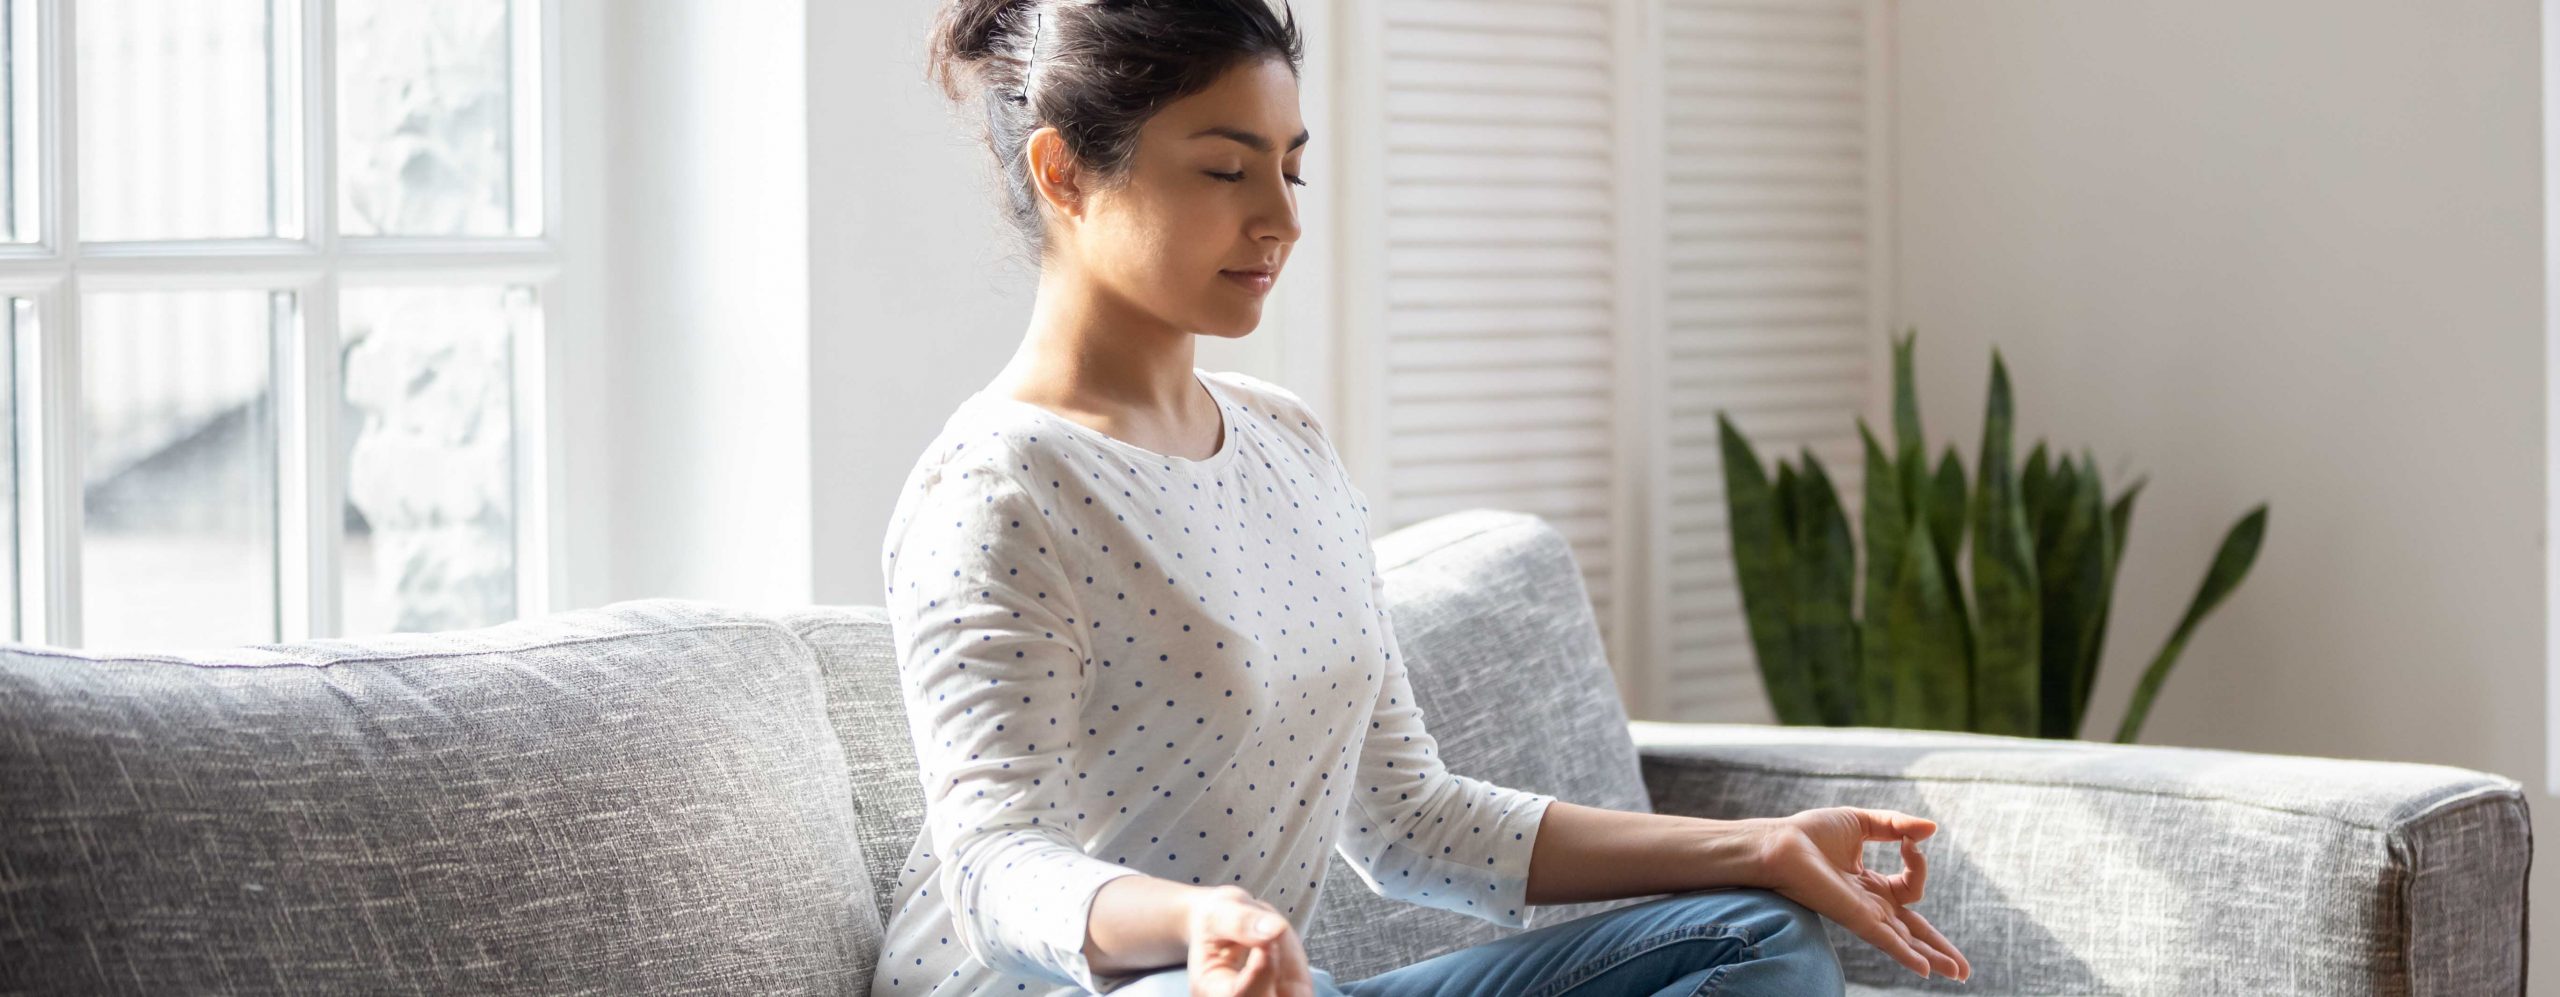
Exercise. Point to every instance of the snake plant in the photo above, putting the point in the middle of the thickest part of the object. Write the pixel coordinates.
(2020, 655)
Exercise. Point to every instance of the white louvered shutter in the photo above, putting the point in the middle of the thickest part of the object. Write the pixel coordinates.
(1768, 311)
(1540, 317)
(1498, 343)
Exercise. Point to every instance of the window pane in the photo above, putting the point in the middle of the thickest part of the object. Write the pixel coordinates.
(178, 538)
(175, 129)
(18, 216)
(431, 483)
(425, 118)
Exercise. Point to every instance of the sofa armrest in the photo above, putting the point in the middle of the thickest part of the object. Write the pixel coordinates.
(2072, 867)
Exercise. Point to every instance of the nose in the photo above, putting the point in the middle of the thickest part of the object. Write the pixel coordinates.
(1279, 219)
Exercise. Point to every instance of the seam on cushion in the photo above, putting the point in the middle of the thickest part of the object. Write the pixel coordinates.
(2485, 791)
(1456, 540)
(828, 625)
(39, 652)
(2480, 794)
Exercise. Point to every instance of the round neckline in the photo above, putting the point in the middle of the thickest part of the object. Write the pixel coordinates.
(1226, 428)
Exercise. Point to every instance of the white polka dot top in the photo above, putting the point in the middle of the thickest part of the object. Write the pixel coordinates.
(1117, 661)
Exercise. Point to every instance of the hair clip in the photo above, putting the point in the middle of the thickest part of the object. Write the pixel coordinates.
(1039, 18)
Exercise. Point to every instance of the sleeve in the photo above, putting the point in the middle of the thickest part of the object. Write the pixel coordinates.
(1420, 833)
(1416, 831)
(993, 671)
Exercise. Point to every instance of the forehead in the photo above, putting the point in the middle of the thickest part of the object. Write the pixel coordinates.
(1259, 97)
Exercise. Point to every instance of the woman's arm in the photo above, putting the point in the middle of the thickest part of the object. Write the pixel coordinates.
(1138, 923)
(1813, 857)
(992, 670)
(1584, 854)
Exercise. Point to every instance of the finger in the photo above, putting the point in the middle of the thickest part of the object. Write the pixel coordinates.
(1210, 978)
(1886, 825)
(1256, 977)
(1942, 957)
(1908, 883)
(1929, 933)
(1941, 962)
(1928, 956)
(1253, 925)
(1294, 973)
(1860, 912)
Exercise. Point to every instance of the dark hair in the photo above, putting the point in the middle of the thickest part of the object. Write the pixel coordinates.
(1094, 69)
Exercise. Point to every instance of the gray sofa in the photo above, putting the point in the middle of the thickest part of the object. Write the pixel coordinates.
(679, 797)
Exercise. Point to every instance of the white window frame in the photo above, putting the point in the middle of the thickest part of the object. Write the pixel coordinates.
(308, 259)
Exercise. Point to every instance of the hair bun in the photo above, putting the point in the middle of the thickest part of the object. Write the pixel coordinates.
(971, 39)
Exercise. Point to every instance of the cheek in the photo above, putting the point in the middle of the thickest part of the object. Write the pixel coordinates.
(1174, 240)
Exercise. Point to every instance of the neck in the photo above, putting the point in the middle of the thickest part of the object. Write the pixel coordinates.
(1087, 348)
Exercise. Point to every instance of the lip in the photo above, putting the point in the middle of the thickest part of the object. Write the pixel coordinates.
(1256, 281)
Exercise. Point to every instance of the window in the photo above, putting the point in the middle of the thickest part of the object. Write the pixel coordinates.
(277, 276)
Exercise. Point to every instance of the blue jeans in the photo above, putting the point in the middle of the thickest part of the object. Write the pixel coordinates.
(1734, 941)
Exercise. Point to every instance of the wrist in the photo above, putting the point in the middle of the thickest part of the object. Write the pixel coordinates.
(1193, 898)
(1732, 852)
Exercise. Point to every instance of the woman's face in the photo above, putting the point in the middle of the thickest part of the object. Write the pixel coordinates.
(1210, 192)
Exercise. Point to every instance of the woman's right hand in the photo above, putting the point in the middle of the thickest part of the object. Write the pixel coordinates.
(1241, 947)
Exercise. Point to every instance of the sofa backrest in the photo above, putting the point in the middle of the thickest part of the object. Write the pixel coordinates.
(1496, 627)
(637, 798)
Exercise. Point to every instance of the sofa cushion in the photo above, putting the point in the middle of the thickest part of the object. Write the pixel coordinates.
(1490, 611)
(870, 716)
(641, 797)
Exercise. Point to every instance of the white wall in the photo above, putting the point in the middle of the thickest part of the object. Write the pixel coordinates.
(905, 247)
(2285, 251)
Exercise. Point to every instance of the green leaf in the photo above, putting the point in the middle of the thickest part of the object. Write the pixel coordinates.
(2072, 568)
(1906, 397)
(2007, 627)
(1931, 673)
(1946, 514)
(1762, 562)
(1826, 574)
(2032, 484)
(1885, 521)
(2119, 520)
(2230, 564)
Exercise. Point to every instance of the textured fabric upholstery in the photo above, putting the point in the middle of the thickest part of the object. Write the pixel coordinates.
(2077, 867)
(870, 718)
(638, 798)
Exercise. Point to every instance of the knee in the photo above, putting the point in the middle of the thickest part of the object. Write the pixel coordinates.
(1793, 933)
(1778, 924)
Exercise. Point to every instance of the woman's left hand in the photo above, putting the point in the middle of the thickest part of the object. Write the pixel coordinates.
(1816, 858)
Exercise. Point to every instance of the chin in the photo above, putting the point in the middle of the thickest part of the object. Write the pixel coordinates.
(1233, 327)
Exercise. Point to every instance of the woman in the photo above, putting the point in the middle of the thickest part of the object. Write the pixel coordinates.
(1146, 660)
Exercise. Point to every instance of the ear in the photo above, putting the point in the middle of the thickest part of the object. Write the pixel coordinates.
(1053, 171)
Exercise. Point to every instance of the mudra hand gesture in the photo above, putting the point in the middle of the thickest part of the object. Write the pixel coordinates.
(1815, 858)
(1242, 947)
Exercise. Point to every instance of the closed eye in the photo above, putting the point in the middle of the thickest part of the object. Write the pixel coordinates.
(1238, 177)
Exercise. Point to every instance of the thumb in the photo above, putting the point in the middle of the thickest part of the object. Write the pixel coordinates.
(1888, 825)
(1254, 925)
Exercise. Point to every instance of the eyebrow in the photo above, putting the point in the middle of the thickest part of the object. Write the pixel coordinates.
(1257, 142)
